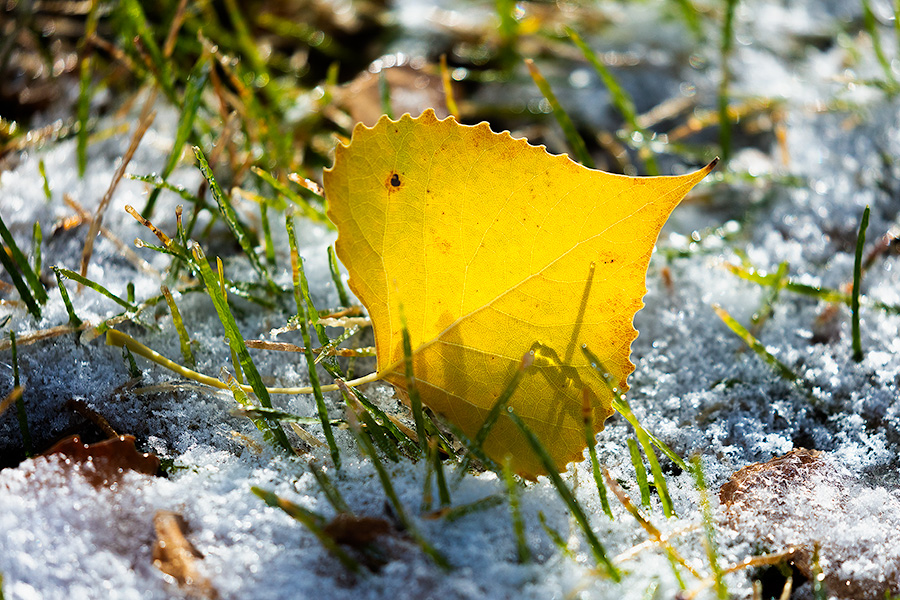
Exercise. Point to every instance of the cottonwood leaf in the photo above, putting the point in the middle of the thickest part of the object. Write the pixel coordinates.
(495, 248)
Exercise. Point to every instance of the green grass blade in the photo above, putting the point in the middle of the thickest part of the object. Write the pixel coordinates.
(591, 441)
(82, 112)
(597, 548)
(427, 496)
(374, 431)
(231, 218)
(820, 293)
(458, 512)
(332, 494)
(640, 472)
(562, 117)
(42, 169)
(620, 404)
(133, 371)
(820, 590)
(384, 90)
(754, 344)
(336, 277)
(620, 99)
(64, 294)
(21, 286)
(21, 413)
(871, 25)
(223, 287)
(692, 19)
(76, 277)
(136, 19)
(443, 490)
(365, 444)
(497, 409)
(471, 448)
(311, 312)
(857, 277)
(183, 337)
(314, 522)
(624, 409)
(256, 412)
(727, 42)
(309, 211)
(24, 292)
(303, 315)
(236, 340)
(267, 234)
(37, 239)
(897, 23)
(659, 480)
(415, 401)
(83, 104)
(193, 93)
(22, 265)
(307, 34)
(250, 410)
(675, 559)
(766, 309)
(508, 30)
(512, 492)
(400, 439)
(246, 41)
(709, 529)
(555, 537)
(447, 82)
(157, 182)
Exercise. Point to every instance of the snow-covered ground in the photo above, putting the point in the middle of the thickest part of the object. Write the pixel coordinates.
(696, 385)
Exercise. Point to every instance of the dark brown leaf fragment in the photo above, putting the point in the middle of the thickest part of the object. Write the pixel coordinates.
(105, 462)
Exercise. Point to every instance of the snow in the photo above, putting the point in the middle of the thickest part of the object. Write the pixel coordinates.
(695, 386)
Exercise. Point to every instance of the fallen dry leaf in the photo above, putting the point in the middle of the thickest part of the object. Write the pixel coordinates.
(175, 555)
(356, 531)
(494, 248)
(104, 463)
(799, 500)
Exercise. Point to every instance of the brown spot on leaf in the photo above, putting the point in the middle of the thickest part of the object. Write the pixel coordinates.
(393, 182)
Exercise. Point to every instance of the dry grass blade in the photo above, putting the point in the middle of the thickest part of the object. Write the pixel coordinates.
(43, 334)
(117, 338)
(655, 535)
(288, 347)
(11, 398)
(126, 251)
(147, 117)
(750, 562)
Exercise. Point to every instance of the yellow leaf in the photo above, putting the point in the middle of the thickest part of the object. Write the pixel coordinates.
(495, 248)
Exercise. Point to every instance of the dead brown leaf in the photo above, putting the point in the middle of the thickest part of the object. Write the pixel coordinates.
(176, 556)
